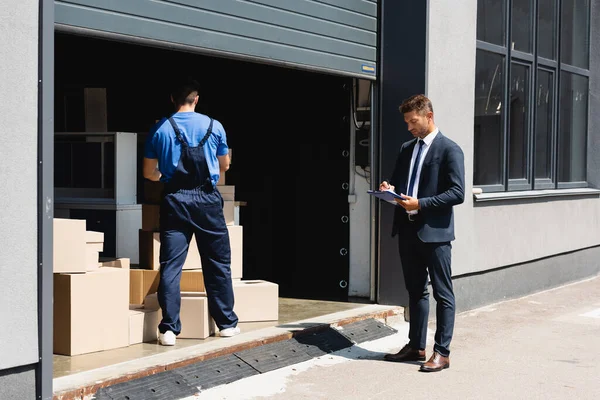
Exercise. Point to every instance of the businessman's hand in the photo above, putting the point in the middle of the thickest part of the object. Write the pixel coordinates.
(410, 204)
(385, 186)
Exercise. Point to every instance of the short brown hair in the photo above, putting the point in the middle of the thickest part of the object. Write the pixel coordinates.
(419, 103)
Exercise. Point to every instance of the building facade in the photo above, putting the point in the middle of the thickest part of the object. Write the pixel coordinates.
(515, 83)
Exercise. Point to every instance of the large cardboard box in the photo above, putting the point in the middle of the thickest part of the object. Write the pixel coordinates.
(150, 251)
(115, 262)
(92, 255)
(196, 322)
(144, 282)
(227, 192)
(69, 246)
(256, 300)
(143, 325)
(91, 311)
(236, 240)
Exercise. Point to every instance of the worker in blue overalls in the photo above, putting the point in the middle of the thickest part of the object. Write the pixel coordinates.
(188, 151)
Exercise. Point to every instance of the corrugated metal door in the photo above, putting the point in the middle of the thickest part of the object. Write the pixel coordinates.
(337, 36)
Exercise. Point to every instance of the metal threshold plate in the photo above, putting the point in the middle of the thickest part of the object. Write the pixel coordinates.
(215, 372)
(325, 342)
(366, 330)
(274, 355)
(163, 386)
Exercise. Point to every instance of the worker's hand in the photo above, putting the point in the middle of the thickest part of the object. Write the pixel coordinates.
(409, 204)
(385, 186)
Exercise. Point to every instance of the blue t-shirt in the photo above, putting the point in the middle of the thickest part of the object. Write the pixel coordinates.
(162, 144)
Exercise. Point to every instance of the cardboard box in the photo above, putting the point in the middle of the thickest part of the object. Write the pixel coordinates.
(150, 251)
(143, 325)
(229, 212)
(91, 311)
(236, 241)
(142, 283)
(69, 248)
(145, 282)
(227, 192)
(192, 281)
(92, 252)
(115, 262)
(94, 237)
(196, 322)
(256, 300)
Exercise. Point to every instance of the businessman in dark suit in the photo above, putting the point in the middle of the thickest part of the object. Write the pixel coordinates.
(429, 174)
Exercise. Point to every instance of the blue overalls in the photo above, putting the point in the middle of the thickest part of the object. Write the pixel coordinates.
(192, 205)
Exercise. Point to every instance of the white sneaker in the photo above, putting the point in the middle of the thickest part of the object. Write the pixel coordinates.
(229, 332)
(167, 339)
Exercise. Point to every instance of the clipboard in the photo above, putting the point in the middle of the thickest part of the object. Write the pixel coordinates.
(386, 195)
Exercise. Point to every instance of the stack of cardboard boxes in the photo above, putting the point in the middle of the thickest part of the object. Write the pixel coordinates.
(86, 319)
(103, 304)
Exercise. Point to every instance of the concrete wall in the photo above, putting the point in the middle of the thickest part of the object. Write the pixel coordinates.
(18, 168)
(451, 88)
(17, 383)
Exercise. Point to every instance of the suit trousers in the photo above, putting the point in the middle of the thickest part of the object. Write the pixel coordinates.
(417, 259)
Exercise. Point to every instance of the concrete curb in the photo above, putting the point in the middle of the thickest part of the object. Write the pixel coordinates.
(84, 385)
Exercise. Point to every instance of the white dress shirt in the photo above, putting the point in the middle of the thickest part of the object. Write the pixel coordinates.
(426, 145)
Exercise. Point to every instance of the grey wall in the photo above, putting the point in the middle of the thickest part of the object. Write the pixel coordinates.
(335, 35)
(451, 88)
(17, 383)
(476, 290)
(18, 168)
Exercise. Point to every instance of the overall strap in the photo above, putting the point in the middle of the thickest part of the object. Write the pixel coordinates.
(208, 133)
(177, 131)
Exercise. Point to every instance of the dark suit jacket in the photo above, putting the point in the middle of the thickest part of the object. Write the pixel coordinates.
(441, 186)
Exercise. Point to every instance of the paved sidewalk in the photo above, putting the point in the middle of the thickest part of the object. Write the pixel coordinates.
(544, 346)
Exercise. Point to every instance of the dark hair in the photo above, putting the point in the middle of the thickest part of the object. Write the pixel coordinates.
(185, 91)
(419, 103)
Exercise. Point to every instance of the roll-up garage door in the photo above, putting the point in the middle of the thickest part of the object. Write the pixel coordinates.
(337, 36)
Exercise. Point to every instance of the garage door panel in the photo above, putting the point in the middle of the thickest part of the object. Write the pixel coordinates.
(243, 28)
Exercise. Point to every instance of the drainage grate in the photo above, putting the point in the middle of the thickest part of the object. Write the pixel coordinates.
(274, 355)
(215, 372)
(162, 386)
(324, 342)
(366, 330)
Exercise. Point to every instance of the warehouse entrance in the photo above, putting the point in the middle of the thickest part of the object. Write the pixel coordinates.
(289, 135)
